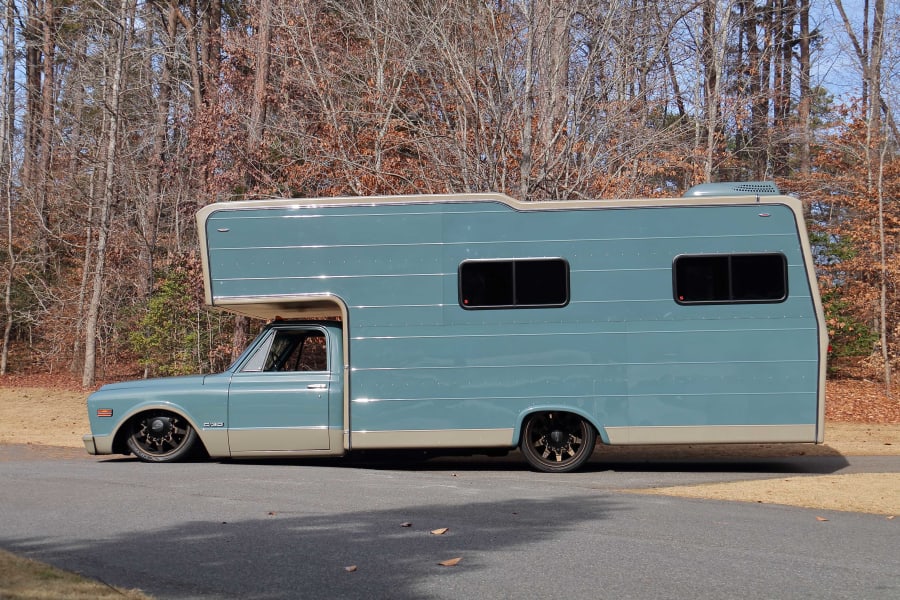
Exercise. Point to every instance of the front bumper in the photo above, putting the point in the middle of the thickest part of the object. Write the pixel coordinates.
(89, 443)
(97, 444)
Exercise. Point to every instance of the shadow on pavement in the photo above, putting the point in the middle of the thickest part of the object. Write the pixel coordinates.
(741, 458)
(306, 556)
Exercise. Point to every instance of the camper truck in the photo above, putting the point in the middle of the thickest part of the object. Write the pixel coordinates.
(477, 322)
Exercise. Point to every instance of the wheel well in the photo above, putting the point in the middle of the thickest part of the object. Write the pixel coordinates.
(557, 441)
(601, 433)
(120, 445)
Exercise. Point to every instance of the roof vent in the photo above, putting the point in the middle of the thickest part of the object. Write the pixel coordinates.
(746, 188)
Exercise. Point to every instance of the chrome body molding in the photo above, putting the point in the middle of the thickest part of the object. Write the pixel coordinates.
(712, 434)
(286, 453)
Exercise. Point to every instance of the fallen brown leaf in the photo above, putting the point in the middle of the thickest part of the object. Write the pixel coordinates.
(821, 519)
(452, 562)
(350, 569)
(859, 401)
(440, 531)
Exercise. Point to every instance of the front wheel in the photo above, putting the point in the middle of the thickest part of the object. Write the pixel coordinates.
(161, 436)
(557, 442)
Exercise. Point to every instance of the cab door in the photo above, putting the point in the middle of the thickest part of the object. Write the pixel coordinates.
(278, 399)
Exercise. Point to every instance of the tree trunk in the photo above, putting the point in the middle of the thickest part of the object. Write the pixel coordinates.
(32, 90)
(885, 277)
(149, 210)
(715, 35)
(7, 123)
(211, 47)
(47, 121)
(261, 77)
(756, 72)
(877, 150)
(805, 105)
(255, 130)
(103, 229)
(39, 86)
(526, 145)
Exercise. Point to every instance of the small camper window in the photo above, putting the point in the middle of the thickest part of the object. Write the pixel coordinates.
(523, 283)
(730, 278)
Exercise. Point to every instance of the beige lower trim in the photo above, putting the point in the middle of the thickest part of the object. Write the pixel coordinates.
(312, 446)
(712, 434)
(286, 442)
(215, 441)
(433, 438)
(278, 439)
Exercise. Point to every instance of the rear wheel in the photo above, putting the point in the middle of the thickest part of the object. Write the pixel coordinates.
(161, 436)
(557, 442)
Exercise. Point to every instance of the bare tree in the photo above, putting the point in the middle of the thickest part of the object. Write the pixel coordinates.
(539, 99)
(716, 17)
(805, 102)
(7, 127)
(119, 23)
(870, 52)
(40, 82)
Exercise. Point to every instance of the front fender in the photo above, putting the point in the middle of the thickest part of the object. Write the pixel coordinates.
(201, 401)
(213, 435)
(108, 436)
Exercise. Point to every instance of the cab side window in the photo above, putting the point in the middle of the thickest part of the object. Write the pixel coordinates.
(291, 350)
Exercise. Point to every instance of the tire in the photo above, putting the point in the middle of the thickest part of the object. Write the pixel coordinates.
(557, 442)
(161, 436)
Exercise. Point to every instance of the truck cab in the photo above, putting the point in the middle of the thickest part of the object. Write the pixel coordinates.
(283, 395)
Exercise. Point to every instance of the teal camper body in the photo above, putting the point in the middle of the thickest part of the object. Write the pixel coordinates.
(476, 321)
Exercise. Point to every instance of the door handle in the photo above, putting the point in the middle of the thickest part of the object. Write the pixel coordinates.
(317, 386)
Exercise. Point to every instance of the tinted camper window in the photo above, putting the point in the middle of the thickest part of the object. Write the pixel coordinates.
(514, 283)
(730, 278)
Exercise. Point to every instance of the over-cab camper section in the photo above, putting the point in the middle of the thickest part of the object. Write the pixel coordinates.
(468, 318)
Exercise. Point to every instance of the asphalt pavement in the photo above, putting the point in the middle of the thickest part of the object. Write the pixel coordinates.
(272, 530)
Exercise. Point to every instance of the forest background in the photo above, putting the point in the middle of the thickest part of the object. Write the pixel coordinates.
(120, 118)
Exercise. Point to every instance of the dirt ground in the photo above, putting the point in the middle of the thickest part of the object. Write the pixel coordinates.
(861, 421)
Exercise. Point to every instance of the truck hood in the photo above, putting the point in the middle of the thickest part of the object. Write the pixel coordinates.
(160, 383)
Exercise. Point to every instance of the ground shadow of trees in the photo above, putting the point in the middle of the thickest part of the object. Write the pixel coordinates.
(284, 555)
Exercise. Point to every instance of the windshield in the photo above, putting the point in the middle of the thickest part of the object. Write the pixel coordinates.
(249, 348)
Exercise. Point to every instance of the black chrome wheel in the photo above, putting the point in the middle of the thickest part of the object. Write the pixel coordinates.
(557, 442)
(161, 436)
